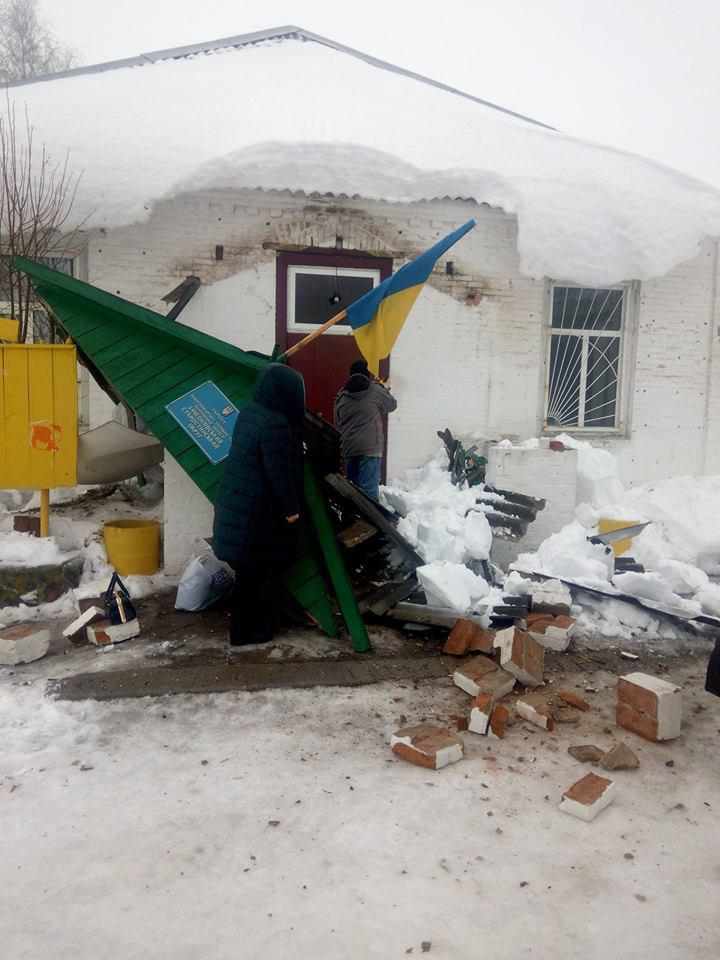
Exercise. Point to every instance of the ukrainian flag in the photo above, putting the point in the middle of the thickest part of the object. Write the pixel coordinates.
(378, 317)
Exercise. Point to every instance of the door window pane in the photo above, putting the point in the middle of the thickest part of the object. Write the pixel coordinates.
(319, 296)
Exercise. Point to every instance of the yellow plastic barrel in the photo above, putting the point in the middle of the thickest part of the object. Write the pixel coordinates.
(133, 546)
(608, 524)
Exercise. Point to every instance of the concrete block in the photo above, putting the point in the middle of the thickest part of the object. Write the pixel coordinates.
(23, 643)
(588, 797)
(649, 706)
(427, 746)
(521, 656)
(534, 708)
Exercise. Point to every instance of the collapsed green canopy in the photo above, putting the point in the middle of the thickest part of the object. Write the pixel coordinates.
(147, 361)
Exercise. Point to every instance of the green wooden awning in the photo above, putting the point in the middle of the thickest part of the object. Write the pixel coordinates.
(147, 361)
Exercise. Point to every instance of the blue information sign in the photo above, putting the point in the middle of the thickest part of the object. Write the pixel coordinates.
(208, 417)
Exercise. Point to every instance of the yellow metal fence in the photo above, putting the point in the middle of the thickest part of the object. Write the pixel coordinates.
(38, 416)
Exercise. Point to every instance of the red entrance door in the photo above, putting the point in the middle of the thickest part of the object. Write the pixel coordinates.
(312, 286)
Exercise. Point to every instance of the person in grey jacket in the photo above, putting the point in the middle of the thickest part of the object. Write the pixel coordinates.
(359, 410)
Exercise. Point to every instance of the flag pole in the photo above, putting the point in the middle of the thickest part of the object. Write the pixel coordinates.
(314, 335)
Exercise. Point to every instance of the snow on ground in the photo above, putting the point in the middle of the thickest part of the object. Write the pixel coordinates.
(265, 116)
(269, 824)
(76, 530)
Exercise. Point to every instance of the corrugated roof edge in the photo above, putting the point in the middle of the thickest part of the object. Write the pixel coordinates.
(276, 33)
(133, 311)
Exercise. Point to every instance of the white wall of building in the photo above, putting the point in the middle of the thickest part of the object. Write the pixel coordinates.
(472, 355)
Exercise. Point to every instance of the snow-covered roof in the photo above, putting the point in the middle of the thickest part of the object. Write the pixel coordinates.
(287, 109)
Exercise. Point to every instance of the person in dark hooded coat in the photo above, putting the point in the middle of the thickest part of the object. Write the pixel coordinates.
(712, 681)
(260, 498)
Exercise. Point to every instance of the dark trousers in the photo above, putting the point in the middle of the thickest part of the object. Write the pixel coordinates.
(364, 472)
(252, 613)
(259, 599)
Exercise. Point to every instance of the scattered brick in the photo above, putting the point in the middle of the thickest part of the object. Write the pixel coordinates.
(468, 637)
(573, 700)
(481, 675)
(23, 643)
(553, 633)
(565, 714)
(521, 656)
(460, 721)
(427, 746)
(588, 797)
(586, 753)
(649, 706)
(483, 641)
(535, 708)
(620, 757)
(499, 720)
(482, 707)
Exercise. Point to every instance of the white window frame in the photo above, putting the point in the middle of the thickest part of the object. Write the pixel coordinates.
(625, 336)
(292, 272)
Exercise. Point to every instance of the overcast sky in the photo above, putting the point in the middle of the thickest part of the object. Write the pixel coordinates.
(643, 75)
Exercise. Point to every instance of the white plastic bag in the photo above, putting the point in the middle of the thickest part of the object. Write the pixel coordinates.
(204, 581)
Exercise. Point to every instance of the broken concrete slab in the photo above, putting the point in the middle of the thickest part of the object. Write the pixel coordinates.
(23, 643)
(427, 746)
(536, 709)
(586, 753)
(620, 757)
(588, 797)
(225, 677)
(46, 583)
(521, 656)
(649, 706)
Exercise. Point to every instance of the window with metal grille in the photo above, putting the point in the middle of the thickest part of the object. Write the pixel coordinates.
(585, 360)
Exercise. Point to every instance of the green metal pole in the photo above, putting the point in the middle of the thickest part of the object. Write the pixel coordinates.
(335, 563)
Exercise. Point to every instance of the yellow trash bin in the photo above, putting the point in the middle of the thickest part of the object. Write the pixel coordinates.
(608, 524)
(133, 546)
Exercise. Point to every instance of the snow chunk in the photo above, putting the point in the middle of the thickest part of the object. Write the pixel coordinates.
(452, 585)
(593, 213)
(651, 586)
(569, 554)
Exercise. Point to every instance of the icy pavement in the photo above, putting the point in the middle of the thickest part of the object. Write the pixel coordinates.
(276, 824)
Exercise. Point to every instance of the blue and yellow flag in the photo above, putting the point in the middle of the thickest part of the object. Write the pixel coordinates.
(378, 317)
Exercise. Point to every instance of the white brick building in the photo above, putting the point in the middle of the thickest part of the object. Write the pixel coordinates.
(491, 349)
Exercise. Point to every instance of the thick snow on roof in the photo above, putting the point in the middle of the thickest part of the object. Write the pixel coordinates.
(299, 115)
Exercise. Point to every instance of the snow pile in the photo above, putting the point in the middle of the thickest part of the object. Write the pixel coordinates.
(24, 550)
(593, 213)
(435, 514)
(678, 549)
